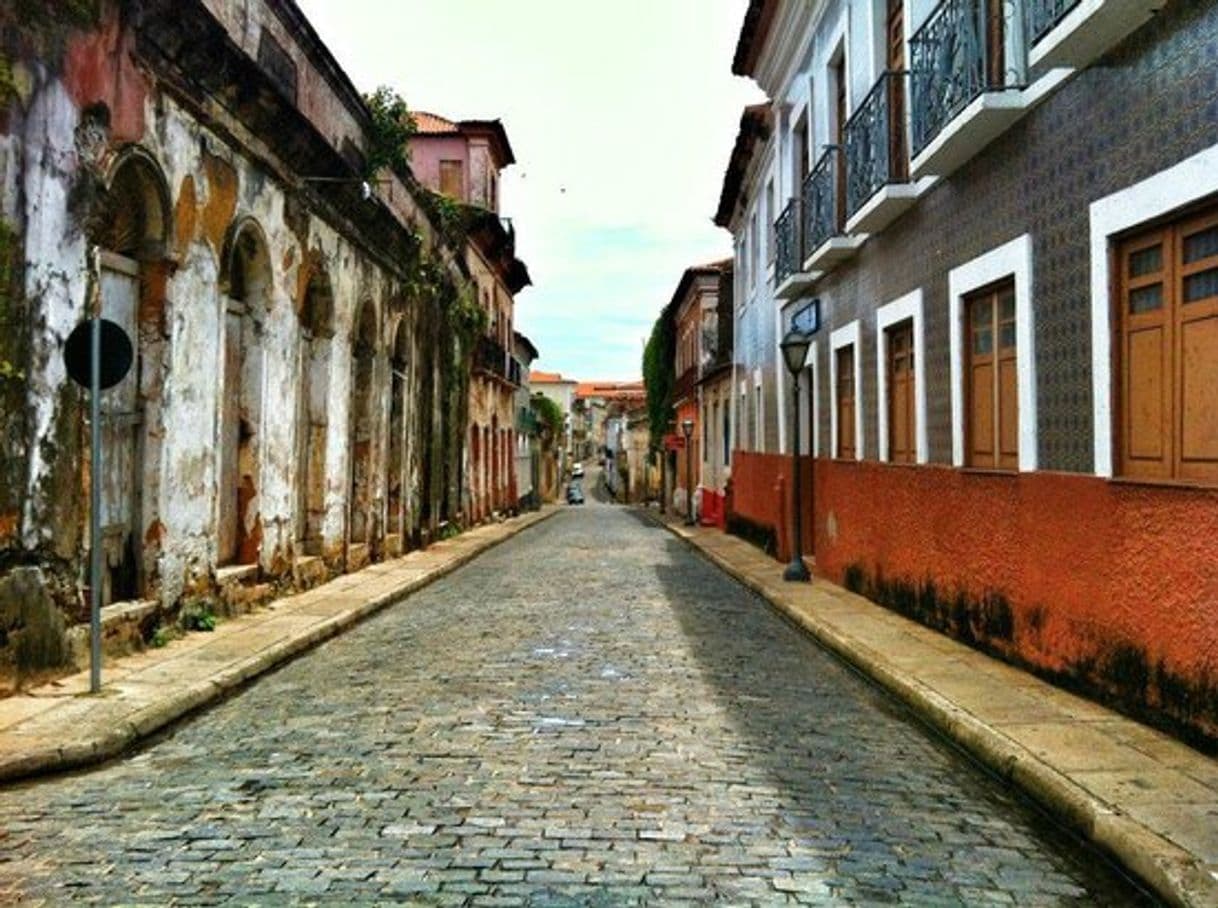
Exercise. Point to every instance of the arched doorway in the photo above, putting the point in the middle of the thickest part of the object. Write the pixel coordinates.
(316, 331)
(396, 480)
(246, 282)
(134, 233)
(363, 358)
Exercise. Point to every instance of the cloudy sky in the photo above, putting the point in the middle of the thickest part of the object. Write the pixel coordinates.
(622, 116)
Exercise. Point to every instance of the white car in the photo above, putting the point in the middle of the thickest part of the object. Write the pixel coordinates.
(577, 471)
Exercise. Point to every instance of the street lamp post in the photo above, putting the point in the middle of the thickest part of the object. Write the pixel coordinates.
(687, 427)
(795, 352)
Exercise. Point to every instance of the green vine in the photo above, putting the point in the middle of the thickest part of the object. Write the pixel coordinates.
(469, 318)
(392, 126)
(550, 416)
(658, 358)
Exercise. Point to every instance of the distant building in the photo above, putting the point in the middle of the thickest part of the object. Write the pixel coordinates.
(462, 162)
(528, 443)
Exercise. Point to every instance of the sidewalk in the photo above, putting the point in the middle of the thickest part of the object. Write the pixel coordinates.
(60, 726)
(1142, 796)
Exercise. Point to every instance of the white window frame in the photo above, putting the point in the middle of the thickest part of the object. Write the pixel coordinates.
(1013, 259)
(810, 436)
(758, 412)
(844, 337)
(899, 310)
(1189, 181)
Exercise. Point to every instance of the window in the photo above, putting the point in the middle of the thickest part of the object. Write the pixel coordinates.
(902, 411)
(992, 384)
(452, 179)
(1168, 351)
(845, 391)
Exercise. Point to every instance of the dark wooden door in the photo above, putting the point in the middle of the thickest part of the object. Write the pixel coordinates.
(993, 387)
(846, 449)
(898, 163)
(902, 418)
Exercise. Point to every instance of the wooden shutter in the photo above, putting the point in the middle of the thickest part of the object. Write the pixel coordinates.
(992, 382)
(898, 160)
(452, 180)
(845, 404)
(1168, 351)
(901, 394)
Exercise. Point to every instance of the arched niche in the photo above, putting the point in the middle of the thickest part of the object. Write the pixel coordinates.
(132, 234)
(363, 360)
(316, 318)
(246, 282)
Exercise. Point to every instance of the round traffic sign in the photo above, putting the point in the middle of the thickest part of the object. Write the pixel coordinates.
(117, 353)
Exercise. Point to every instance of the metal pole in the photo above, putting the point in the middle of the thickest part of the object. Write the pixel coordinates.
(689, 481)
(95, 504)
(796, 570)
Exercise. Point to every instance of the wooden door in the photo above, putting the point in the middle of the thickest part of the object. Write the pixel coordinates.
(1196, 354)
(846, 403)
(898, 159)
(1168, 352)
(992, 378)
(121, 427)
(228, 466)
(839, 156)
(902, 417)
(995, 37)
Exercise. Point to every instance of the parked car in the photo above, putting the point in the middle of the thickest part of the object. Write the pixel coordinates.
(577, 471)
(575, 493)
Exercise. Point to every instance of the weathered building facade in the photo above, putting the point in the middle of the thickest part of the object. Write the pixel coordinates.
(462, 162)
(296, 406)
(1007, 215)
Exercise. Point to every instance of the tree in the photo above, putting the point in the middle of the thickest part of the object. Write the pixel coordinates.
(658, 357)
(392, 126)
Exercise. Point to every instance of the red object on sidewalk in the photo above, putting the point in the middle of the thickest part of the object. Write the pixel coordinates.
(714, 511)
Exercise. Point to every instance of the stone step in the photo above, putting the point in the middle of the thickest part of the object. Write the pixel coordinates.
(125, 626)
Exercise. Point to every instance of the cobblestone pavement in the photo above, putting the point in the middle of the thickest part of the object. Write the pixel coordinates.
(588, 714)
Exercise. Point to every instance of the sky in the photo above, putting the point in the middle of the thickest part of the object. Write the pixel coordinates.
(622, 116)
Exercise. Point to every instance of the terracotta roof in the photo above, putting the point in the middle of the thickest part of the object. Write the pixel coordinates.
(690, 275)
(611, 390)
(429, 124)
(546, 378)
(433, 124)
(753, 33)
(754, 127)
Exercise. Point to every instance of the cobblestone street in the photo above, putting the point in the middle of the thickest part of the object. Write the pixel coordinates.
(588, 713)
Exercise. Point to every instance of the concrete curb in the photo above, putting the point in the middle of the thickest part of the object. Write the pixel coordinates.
(1173, 874)
(140, 725)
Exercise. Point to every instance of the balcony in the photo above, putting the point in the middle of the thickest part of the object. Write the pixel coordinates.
(878, 188)
(490, 358)
(824, 215)
(789, 277)
(1075, 32)
(967, 74)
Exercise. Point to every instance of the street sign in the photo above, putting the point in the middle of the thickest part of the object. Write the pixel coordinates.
(114, 362)
(807, 319)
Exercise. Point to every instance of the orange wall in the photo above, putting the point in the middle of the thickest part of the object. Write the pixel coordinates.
(760, 493)
(1111, 585)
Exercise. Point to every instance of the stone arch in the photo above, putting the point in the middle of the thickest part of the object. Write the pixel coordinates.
(364, 335)
(246, 282)
(316, 321)
(132, 232)
(399, 420)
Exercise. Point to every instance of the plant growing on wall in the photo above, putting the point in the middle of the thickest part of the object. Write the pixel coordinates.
(550, 416)
(392, 126)
(658, 358)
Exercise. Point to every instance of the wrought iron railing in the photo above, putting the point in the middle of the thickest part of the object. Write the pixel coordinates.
(1042, 15)
(788, 257)
(490, 356)
(962, 51)
(875, 142)
(822, 213)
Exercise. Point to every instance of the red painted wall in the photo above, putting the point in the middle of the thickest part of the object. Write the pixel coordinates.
(1098, 574)
(759, 493)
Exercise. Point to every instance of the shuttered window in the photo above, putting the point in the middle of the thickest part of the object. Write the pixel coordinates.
(452, 180)
(992, 383)
(846, 449)
(901, 417)
(1168, 351)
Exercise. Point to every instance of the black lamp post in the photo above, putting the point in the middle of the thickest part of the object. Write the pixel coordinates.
(687, 427)
(795, 351)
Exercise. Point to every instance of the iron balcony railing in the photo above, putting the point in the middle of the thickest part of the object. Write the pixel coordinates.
(788, 240)
(822, 209)
(1042, 15)
(966, 47)
(875, 142)
(490, 356)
